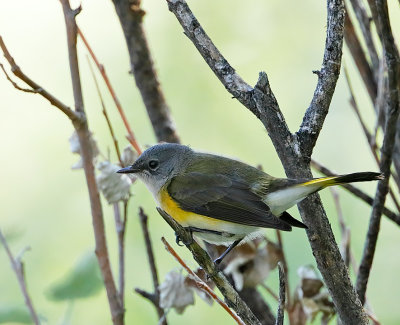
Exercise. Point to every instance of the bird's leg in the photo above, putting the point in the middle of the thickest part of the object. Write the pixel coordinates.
(218, 260)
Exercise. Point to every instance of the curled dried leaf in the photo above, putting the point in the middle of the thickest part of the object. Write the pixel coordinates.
(128, 156)
(115, 187)
(252, 262)
(75, 147)
(174, 293)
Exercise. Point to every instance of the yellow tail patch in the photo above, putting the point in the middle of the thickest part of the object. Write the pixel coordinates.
(324, 181)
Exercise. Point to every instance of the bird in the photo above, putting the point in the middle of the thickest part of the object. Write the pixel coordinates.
(222, 200)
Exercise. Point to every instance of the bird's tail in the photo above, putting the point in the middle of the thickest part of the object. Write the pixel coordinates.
(291, 192)
(323, 182)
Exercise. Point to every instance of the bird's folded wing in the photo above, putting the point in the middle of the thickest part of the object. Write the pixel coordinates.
(224, 198)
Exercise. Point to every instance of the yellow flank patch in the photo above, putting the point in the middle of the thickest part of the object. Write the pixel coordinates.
(187, 218)
(325, 181)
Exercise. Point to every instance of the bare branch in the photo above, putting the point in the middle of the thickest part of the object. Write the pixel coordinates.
(282, 292)
(294, 156)
(354, 190)
(131, 15)
(117, 311)
(19, 272)
(232, 298)
(200, 283)
(392, 102)
(150, 255)
(284, 266)
(75, 117)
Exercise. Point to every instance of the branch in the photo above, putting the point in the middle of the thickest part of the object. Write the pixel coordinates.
(18, 268)
(120, 227)
(282, 289)
(75, 117)
(231, 296)
(354, 190)
(150, 255)
(200, 283)
(117, 311)
(392, 102)
(283, 264)
(294, 150)
(131, 15)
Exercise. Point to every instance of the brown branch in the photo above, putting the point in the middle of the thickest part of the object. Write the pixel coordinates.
(18, 268)
(392, 101)
(282, 292)
(120, 227)
(131, 15)
(232, 298)
(75, 117)
(131, 137)
(117, 311)
(27, 90)
(354, 190)
(294, 151)
(150, 255)
(200, 284)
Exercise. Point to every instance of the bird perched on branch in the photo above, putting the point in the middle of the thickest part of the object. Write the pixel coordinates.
(222, 200)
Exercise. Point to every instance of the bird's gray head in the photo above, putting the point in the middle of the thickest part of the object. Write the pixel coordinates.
(158, 164)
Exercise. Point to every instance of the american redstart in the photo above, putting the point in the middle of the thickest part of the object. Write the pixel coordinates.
(222, 200)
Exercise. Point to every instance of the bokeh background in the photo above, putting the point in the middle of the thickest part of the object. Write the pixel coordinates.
(44, 204)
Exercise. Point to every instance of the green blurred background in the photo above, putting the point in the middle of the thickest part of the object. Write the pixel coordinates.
(44, 204)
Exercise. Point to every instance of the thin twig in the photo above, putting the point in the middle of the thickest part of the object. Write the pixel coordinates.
(354, 190)
(200, 284)
(282, 292)
(150, 255)
(393, 63)
(232, 298)
(75, 117)
(18, 268)
(104, 111)
(131, 137)
(15, 84)
(285, 268)
(270, 291)
(120, 227)
(82, 130)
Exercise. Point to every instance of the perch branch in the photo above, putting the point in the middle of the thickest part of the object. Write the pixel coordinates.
(200, 283)
(131, 16)
(116, 308)
(232, 298)
(150, 255)
(392, 102)
(18, 268)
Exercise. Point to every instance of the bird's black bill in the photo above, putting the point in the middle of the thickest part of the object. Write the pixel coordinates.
(128, 170)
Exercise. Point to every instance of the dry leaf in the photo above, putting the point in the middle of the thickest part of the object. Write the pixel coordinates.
(75, 147)
(128, 156)
(174, 293)
(115, 187)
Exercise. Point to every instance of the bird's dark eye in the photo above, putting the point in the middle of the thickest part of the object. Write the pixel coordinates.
(153, 164)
